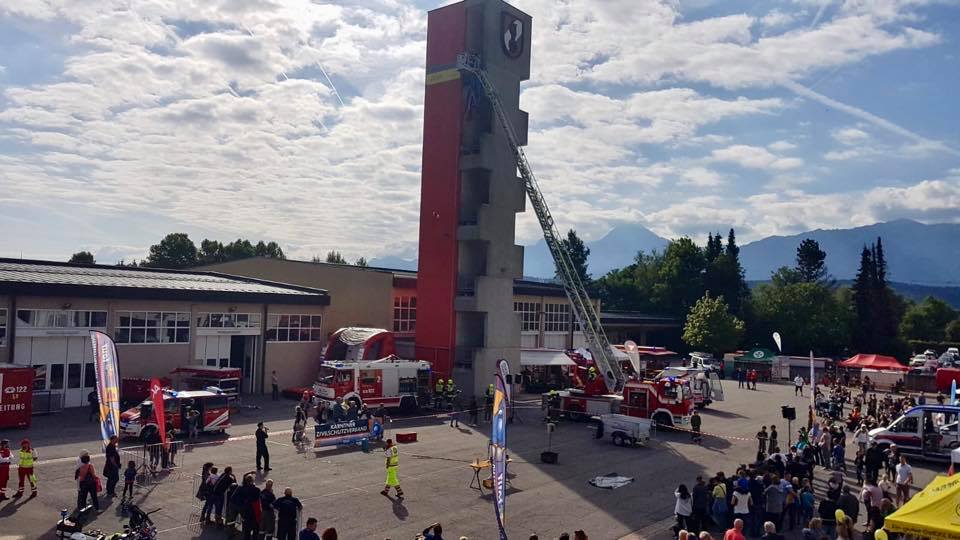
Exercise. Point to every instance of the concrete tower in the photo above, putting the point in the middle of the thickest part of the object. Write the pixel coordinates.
(470, 194)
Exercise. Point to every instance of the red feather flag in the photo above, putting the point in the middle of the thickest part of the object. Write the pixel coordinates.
(156, 394)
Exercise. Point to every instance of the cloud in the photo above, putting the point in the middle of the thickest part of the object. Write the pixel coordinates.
(781, 146)
(700, 176)
(849, 136)
(777, 19)
(755, 157)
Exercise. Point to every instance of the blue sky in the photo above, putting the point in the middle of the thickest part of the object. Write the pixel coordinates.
(300, 121)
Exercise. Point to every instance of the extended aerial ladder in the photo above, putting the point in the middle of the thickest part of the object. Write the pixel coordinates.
(587, 316)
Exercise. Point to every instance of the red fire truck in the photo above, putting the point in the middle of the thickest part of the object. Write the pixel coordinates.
(391, 381)
(666, 400)
(213, 408)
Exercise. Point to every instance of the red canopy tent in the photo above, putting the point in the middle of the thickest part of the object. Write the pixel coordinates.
(873, 361)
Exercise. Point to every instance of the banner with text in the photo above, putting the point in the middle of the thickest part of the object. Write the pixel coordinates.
(346, 432)
(108, 384)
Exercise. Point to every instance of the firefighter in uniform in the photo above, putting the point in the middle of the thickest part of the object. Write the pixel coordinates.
(592, 374)
(438, 394)
(450, 391)
(25, 470)
(5, 457)
(392, 463)
(553, 405)
(488, 401)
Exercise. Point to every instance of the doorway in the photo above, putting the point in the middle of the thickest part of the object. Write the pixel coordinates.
(243, 354)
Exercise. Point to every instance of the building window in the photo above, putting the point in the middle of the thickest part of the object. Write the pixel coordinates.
(529, 315)
(556, 318)
(3, 327)
(60, 318)
(152, 327)
(228, 320)
(404, 313)
(287, 327)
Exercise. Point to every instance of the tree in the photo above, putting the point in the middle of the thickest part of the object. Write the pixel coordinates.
(680, 279)
(579, 253)
(362, 262)
(238, 249)
(82, 257)
(632, 288)
(952, 331)
(877, 308)
(927, 320)
(810, 316)
(270, 250)
(786, 276)
(811, 264)
(710, 327)
(176, 250)
(335, 257)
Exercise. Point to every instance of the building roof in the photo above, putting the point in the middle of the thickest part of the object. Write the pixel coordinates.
(46, 278)
(635, 317)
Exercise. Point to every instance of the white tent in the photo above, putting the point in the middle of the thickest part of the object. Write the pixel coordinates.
(545, 357)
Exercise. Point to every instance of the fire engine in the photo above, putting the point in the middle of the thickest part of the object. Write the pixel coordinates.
(390, 381)
(668, 401)
(704, 382)
(213, 408)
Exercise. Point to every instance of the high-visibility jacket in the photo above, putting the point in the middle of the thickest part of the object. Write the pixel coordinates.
(393, 457)
(27, 457)
(450, 387)
(439, 388)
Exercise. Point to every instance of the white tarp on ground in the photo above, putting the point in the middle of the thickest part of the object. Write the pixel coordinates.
(610, 481)
(544, 357)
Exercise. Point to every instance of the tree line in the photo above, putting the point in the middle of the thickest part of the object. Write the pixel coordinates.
(705, 287)
(177, 251)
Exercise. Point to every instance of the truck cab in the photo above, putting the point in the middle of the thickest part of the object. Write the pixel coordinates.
(929, 431)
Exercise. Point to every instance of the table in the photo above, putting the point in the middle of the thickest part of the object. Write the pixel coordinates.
(478, 465)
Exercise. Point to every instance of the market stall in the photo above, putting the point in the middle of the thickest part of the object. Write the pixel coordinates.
(932, 513)
(544, 369)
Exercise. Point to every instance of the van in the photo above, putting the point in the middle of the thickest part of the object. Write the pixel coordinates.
(929, 431)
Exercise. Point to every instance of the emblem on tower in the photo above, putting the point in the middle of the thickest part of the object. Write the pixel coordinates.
(512, 30)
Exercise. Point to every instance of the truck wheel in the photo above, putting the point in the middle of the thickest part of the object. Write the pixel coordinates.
(663, 420)
(633, 442)
(408, 404)
(617, 439)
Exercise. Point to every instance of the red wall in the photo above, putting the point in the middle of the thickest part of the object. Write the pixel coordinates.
(440, 192)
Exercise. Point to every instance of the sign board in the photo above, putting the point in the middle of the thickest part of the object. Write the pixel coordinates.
(346, 432)
(16, 397)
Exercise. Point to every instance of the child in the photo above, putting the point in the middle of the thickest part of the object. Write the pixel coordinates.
(129, 476)
(839, 462)
(859, 462)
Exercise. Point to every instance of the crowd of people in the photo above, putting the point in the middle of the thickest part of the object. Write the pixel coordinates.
(778, 491)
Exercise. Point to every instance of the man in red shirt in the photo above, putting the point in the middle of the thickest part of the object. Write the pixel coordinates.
(736, 533)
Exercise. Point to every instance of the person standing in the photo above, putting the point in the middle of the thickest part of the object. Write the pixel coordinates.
(741, 501)
(773, 502)
(873, 461)
(28, 457)
(86, 477)
(111, 468)
(488, 401)
(268, 518)
(892, 458)
(762, 437)
(310, 531)
(392, 464)
(94, 402)
(904, 480)
(5, 459)
(695, 423)
(287, 507)
(248, 499)
(274, 386)
(774, 445)
(224, 483)
(798, 385)
(683, 508)
(262, 452)
(193, 424)
(207, 492)
(299, 423)
(736, 532)
(700, 505)
(741, 377)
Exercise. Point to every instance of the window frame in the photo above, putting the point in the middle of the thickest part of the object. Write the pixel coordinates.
(405, 313)
(133, 324)
(556, 318)
(293, 325)
(529, 316)
(3, 327)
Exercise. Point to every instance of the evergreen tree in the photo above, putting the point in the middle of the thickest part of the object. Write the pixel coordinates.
(335, 257)
(362, 262)
(862, 293)
(877, 308)
(733, 249)
(579, 253)
(82, 257)
(176, 250)
(811, 261)
(714, 247)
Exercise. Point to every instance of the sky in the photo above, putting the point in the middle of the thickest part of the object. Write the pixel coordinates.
(301, 122)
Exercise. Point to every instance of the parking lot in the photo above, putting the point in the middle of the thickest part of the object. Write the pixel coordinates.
(341, 487)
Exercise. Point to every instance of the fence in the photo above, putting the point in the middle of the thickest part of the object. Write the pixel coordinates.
(155, 463)
(46, 402)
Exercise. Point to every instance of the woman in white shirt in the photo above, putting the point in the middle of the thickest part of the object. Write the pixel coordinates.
(683, 508)
(741, 503)
(861, 438)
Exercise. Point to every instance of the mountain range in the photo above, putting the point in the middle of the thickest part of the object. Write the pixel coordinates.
(916, 253)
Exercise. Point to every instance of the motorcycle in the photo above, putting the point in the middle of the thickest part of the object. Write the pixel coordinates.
(140, 527)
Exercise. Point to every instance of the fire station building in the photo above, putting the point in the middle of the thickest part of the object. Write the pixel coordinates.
(159, 319)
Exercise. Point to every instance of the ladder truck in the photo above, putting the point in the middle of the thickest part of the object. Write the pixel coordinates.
(587, 316)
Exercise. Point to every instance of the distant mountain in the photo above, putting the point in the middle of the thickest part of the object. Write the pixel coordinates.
(615, 250)
(916, 253)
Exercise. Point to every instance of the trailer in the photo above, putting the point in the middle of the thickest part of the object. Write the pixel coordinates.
(624, 430)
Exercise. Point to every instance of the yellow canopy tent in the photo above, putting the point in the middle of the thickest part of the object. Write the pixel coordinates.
(932, 513)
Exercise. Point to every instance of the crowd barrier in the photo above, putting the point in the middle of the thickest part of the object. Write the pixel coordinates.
(154, 462)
